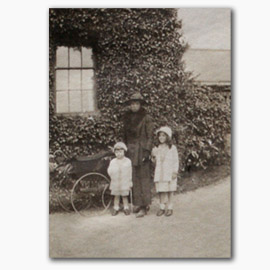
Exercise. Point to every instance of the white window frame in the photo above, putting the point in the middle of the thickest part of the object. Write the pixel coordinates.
(81, 90)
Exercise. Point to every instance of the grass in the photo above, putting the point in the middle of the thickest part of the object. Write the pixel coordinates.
(193, 180)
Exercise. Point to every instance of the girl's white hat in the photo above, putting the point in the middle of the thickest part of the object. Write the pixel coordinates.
(120, 145)
(166, 130)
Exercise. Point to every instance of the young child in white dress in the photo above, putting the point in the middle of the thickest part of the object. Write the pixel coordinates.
(120, 172)
(165, 156)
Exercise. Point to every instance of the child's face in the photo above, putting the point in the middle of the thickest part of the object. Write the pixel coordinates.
(119, 153)
(135, 106)
(162, 137)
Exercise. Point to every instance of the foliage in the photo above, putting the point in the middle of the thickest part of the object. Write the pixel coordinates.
(207, 122)
(136, 50)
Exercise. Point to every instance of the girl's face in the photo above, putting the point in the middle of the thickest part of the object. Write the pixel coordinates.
(162, 137)
(135, 106)
(119, 153)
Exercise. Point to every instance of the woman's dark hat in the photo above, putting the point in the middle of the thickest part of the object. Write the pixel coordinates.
(136, 97)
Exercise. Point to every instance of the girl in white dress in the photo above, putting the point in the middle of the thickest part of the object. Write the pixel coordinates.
(120, 172)
(166, 160)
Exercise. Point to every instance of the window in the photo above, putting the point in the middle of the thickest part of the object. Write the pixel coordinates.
(74, 80)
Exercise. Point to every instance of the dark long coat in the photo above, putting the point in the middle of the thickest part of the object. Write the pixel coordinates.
(138, 134)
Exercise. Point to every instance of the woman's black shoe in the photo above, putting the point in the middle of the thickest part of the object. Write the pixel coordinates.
(141, 213)
(136, 209)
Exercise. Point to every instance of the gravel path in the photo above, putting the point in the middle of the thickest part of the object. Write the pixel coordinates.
(199, 228)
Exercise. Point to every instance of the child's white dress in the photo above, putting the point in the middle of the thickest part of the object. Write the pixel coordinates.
(167, 163)
(120, 172)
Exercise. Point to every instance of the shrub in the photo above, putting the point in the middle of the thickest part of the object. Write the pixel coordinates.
(207, 122)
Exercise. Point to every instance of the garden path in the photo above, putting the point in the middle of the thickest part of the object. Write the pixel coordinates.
(199, 228)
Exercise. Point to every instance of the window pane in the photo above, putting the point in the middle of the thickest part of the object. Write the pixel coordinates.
(88, 103)
(61, 79)
(75, 101)
(75, 79)
(62, 57)
(87, 60)
(62, 102)
(88, 79)
(74, 58)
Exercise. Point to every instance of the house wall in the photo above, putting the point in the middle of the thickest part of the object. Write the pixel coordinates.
(208, 34)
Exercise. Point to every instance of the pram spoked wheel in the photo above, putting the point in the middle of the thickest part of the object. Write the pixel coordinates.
(90, 192)
(63, 189)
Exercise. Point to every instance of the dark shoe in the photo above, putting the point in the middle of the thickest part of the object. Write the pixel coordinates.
(127, 212)
(141, 213)
(160, 212)
(136, 209)
(169, 212)
(115, 212)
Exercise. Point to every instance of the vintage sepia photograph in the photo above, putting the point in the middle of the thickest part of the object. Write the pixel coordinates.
(140, 133)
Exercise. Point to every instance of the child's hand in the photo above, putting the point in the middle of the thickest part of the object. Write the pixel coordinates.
(174, 175)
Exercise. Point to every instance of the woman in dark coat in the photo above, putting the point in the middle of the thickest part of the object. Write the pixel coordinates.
(138, 133)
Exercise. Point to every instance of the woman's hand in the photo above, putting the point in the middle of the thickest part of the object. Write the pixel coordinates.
(146, 155)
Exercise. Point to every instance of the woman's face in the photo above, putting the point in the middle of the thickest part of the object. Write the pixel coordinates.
(135, 106)
(162, 137)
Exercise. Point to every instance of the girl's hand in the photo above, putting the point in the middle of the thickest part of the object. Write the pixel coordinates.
(174, 175)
